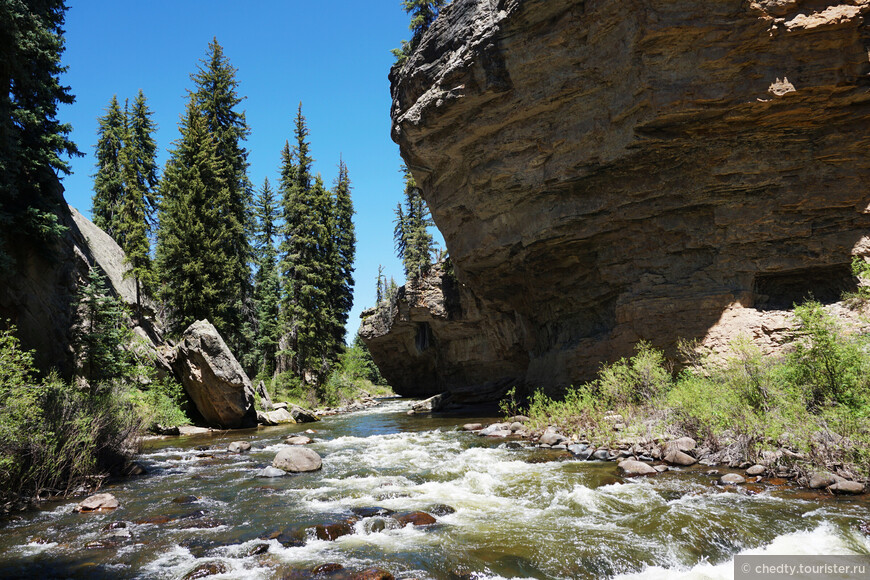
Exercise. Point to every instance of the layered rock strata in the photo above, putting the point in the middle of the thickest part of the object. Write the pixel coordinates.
(604, 173)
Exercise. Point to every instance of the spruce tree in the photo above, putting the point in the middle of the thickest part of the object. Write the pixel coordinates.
(414, 243)
(193, 257)
(305, 253)
(109, 178)
(32, 140)
(131, 219)
(423, 14)
(343, 242)
(100, 333)
(217, 99)
(142, 155)
(266, 283)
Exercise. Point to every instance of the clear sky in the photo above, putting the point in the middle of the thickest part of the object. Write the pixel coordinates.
(334, 57)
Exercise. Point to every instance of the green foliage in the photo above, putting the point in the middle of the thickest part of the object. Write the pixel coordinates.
(423, 14)
(53, 437)
(203, 251)
(414, 243)
(216, 98)
(159, 404)
(124, 198)
(109, 178)
(32, 141)
(371, 371)
(267, 288)
(636, 380)
(317, 251)
(832, 367)
(101, 335)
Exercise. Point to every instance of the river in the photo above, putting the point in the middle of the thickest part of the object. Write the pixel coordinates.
(519, 512)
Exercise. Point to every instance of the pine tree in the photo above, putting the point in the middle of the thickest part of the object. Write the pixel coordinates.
(414, 243)
(343, 253)
(109, 178)
(32, 140)
(193, 257)
(266, 282)
(217, 98)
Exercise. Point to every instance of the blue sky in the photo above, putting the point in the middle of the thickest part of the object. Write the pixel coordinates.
(334, 57)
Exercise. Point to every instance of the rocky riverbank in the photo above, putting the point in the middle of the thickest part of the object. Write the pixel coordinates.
(728, 464)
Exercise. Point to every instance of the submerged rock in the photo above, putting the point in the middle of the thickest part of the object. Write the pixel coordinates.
(415, 518)
(206, 569)
(297, 459)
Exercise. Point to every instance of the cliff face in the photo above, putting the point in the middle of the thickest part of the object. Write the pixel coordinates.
(605, 172)
(39, 298)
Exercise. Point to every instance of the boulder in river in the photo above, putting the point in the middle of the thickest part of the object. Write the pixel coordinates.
(239, 447)
(472, 427)
(206, 569)
(846, 487)
(276, 417)
(214, 379)
(271, 472)
(634, 467)
(755, 470)
(676, 457)
(820, 480)
(297, 459)
(330, 532)
(301, 415)
(98, 502)
(732, 479)
(415, 518)
(373, 574)
(297, 440)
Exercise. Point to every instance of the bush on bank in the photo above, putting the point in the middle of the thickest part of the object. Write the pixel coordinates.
(814, 399)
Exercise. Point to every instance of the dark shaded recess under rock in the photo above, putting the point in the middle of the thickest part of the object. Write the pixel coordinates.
(604, 175)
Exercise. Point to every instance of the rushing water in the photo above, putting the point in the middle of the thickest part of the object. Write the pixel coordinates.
(519, 512)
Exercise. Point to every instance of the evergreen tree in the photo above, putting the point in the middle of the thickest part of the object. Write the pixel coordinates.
(109, 178)
(194, 259)
(100, 333)
(305, 250)
(414, 243)
(266, 283)
(32, 141)
(142, 155)
(131, 219)
(381, 282)
(423, 14)
(217, 98)
(343, 253)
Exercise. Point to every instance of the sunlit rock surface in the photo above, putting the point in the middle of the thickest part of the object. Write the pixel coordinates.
(606, 172)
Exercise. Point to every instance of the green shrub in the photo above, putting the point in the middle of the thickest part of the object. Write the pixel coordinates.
(54, 437)
(159, 404)
(639, 379)
(832, 366)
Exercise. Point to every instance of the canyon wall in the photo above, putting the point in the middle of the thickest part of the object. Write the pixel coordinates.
(610, 171)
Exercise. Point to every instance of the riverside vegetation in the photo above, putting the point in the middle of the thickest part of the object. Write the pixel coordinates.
(813, 400)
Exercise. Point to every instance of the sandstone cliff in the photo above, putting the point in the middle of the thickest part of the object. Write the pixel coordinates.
(605, 172)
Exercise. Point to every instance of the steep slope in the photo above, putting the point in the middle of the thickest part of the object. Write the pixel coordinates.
(605, 172)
